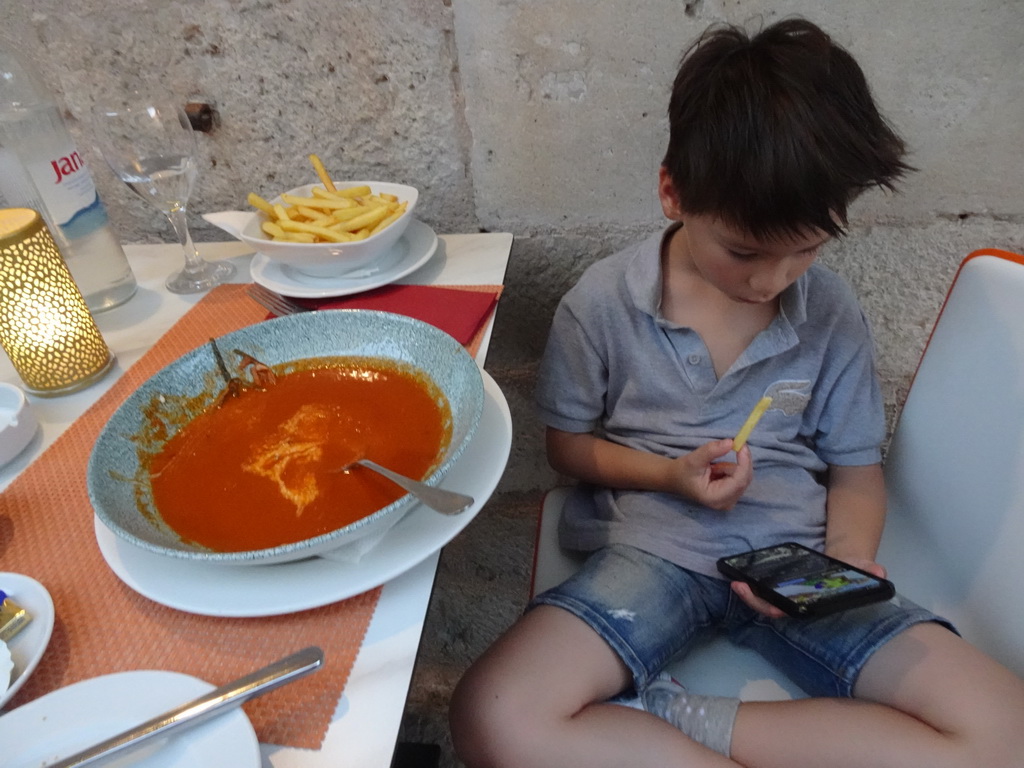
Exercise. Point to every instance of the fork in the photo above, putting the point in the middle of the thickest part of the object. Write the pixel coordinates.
(276, 303)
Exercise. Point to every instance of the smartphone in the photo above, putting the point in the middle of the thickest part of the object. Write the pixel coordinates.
(805, 583)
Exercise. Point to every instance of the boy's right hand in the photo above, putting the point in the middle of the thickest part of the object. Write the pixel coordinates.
(698, 475)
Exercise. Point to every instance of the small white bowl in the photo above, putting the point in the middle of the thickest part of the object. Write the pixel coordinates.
(28, 646)
(320, 259)
(18, 424)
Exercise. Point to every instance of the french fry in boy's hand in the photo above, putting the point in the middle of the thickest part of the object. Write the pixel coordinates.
(748, 426)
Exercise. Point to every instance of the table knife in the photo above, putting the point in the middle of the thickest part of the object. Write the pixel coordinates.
(203, 708)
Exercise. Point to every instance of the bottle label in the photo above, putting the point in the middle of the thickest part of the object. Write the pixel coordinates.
(65, 184)
(18, 191)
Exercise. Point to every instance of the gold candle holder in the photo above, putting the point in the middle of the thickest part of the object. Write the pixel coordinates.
(45, 326)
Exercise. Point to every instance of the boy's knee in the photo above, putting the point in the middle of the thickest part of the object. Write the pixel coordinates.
(488, 727)
(996, 735)
(464, 722)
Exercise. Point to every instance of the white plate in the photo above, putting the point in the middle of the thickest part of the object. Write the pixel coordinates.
(70, 719)
(413, 250)
(28, 645)
(269, 590)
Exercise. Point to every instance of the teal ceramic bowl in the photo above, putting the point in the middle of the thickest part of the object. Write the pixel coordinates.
(117, 479)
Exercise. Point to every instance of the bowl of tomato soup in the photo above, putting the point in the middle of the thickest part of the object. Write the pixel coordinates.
(187, 471)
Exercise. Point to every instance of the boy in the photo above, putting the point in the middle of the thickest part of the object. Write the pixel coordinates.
(654, 360)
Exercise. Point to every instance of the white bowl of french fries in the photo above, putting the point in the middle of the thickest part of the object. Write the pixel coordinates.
(324, 229)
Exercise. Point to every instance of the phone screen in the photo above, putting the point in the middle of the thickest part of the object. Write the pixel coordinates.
(803, 576)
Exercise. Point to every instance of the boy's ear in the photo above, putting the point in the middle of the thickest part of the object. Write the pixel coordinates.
(668, 196)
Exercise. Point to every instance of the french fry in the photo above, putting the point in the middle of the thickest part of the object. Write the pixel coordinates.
(341, 218)
(748, 426)
(324, 233)
(325, 177)
(323, 194)
(313, 216)
(332, 204)
(273, 230)
(390, 219)
(260, 204)
(362, 191)
(368, 219)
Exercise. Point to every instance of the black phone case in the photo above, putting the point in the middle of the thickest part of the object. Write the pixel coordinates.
(885, 589)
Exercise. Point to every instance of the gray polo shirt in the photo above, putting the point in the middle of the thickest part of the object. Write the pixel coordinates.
(613, 365)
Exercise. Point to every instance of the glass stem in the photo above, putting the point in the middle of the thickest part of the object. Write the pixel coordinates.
(193, 261)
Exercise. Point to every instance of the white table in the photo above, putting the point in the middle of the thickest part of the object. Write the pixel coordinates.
(365, 725)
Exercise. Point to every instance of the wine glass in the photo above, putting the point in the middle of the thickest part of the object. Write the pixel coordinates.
(150, 145)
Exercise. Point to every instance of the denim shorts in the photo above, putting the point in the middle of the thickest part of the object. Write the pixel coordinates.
(650, 610)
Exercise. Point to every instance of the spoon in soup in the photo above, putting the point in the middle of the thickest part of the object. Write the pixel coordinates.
(438, 499)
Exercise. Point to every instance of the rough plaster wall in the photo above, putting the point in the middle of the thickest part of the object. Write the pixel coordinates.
(567, 100)
(545, 119)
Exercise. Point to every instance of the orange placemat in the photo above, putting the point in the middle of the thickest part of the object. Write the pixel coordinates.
(102, 626)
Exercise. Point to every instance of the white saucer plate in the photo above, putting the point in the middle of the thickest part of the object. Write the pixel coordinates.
(269, 590)
(18, 423)
(27, 647)
(68, 720)
(414, 249)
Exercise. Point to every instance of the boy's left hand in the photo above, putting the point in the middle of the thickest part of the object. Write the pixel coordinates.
(875, 569)
(744, 592)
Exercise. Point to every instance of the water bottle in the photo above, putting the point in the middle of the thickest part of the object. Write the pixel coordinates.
(32, 129)
(17, 190)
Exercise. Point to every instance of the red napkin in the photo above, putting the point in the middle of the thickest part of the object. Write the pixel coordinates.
(458, 311)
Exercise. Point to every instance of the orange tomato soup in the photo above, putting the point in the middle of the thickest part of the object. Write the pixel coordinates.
(261, 470)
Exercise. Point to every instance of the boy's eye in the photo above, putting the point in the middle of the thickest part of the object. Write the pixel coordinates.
(742, 255)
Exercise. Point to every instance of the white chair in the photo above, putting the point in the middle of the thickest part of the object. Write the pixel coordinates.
(954, 540)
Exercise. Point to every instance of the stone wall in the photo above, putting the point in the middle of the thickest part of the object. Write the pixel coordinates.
(545, 119)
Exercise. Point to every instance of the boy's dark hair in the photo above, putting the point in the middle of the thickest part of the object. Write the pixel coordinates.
(776, 133)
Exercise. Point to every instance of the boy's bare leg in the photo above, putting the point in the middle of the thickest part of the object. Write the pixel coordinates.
(927, 698)
(949, 706)
(528, 702)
